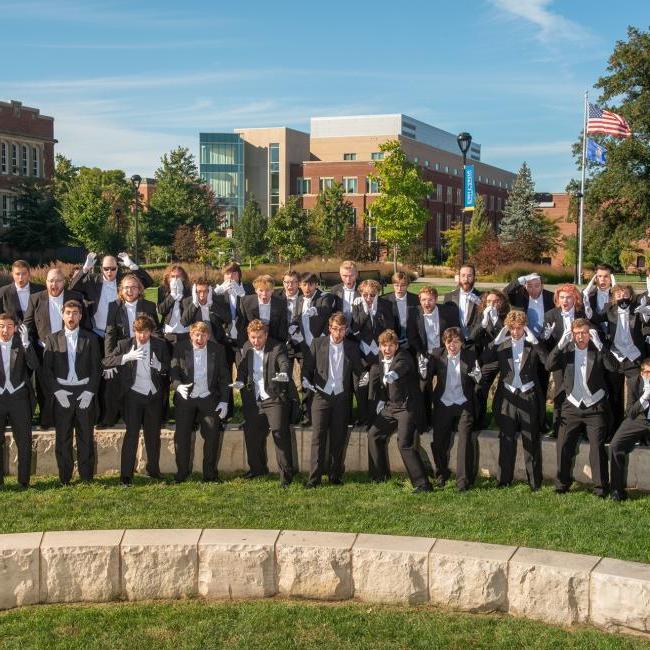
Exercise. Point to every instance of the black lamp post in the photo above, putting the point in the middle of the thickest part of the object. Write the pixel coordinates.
(464, 140)
(135, 181)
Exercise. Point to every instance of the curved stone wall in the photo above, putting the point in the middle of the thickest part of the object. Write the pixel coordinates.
(105, 565)
(108, 443)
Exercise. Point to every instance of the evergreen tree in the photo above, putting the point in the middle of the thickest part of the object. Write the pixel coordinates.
(331, 217)
(249, 232)
(288, 232)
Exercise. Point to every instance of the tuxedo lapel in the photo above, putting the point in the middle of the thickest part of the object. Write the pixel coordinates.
(210, 356)
(189, 363)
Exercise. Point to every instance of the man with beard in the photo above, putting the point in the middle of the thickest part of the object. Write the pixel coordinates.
(465, 299)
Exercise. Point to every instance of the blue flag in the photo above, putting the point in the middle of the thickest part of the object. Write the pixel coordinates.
(596, 152)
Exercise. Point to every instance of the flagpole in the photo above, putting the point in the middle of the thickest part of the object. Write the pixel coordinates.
(582, 190)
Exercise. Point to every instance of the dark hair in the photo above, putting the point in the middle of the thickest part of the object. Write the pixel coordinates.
(144, 322)
(6, 316)
(505, 303)
(202, 281)
(603, 267)
(452, 333)
(168, 272)
(468, 265)
(73, 303)
(309, 278)
(292, 274)
(20, 264)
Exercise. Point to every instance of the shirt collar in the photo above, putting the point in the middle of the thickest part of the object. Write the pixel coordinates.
(5, 344)
(58, 298)
(20, 290)
(72, 333)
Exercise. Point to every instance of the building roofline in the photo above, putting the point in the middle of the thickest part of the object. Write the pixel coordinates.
(16, 104)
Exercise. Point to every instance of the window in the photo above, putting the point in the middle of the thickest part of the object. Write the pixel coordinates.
(325, 183)
(426, 163)
(416, 159)
(350, 184)
(304, 186)
(274, 178)
(438, 192)
(480, 178)
(7, 207)
(377, 155)
(459, 199)
(455, 172)
(450, 195)
(14, 159)
(352, 218)
(372, 185)
(371, 234)
(437, 166)
(3, 158)
(446, 169)
(492, 202)
(349, 156)
(24, 160)
(35, 165)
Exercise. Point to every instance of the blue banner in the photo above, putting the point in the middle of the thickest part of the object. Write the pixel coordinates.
(596, 152)
(469, 192)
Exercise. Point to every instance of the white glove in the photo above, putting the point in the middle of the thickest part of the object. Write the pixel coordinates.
(380, 406)
(522, 280)
(487, 316)
(297, 337)
(646, 392)
(237, 289)
(589, 288)
(390, 377)
(593, 335)
(293, 328)
(364, 380)
(222, 410)
(280, 377)
(548, 330)
(611, 275)
(176, 288)
(307, 385)
(566, 338)
(85, 399)
(109, 373)
(184, 390)
(358, 301)
(62, 397)
(530, 337)
(24, 335)
(89, 264)
(476, 374)
(236, 385)
(589, 312)
(472, 297)
(312, 311)
(502, 336)
(644, 310)
(220, 289)
(134, 354)
(195, 299)
(209, 300)
(127, 261)
(155, 363)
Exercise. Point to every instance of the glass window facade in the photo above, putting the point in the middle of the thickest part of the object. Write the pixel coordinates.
(221, 165)
(274, 178)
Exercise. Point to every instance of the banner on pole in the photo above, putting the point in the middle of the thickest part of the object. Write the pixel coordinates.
(469, 194)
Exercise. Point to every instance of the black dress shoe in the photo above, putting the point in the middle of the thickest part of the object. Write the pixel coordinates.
(336, 481)
(126, 481)
(250, 474)
(535, 488)
(157, 476)
(285, 482)
(441, 481)
(422, 488)
(600, 493)
(211, 479)
(462, 488)
(618, 495)
(311, 485)
(561, 490)
(503, 485)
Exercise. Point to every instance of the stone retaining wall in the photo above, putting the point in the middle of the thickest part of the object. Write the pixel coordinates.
(107, 565)
(108, 444)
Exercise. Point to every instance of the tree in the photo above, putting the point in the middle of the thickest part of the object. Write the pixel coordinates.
(181, 198)
(95, 208)
(330, 218)
(617, 200)
(184, 244)
(398, 212)
(355, 246)
(249, 232)
(288, 232)
(35, 222)
(476, 235)
(524, 227)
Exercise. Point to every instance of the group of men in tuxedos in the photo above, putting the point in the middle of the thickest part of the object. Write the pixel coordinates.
(98, 350)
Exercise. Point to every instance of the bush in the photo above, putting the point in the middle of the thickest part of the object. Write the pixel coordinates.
(550, 274)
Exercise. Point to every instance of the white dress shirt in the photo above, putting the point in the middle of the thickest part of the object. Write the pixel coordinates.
(265, 311)
(174, 325)
(258, 375)
(517, 360)
(131, 313)
(432, 329)
(232, 302)
(402, 310)
(463, 306)
(348, 298)
(5, 349)
(580, 393)
(200, 388)
(107, 295)
(71, 341)
(623, 343)
(334, 385)
(23, 296)
(453, 386)
(56, 319)
(143, 383)
(291, 305)
(306, 328)
(602, 300)
(205, 312)
(535, 313)
(567, 319)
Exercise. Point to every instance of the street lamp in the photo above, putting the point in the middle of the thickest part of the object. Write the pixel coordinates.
(464, 140)
(135, 181)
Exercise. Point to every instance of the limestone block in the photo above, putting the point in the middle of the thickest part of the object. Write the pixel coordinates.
(315, 565)
(79, 566)
(638, 469)
(582, 468)
(167, 453)
(620, 596)
(45, 459)
(488, 460)
(19, 569)
(237, 563)
(550, 585)
(231, 458)
(108, 450)
(469, 576)
(159, 563)
(356, 457)
(391, 569)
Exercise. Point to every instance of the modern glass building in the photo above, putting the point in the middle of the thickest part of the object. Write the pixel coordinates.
(221, 165)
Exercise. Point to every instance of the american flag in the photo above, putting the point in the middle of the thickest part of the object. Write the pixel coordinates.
(607, 123)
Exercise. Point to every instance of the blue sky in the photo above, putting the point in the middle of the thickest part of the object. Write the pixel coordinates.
(127, 82)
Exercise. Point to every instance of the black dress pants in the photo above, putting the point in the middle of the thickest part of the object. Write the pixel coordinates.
(628, 434)
(141, 411)
(519, 412)
(17, 409)
(573, 421)
(404, 421)
(188, 411)
(447, 419)
(260, 417)
(330, 416)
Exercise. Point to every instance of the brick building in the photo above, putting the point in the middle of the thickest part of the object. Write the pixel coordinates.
(26, 151)
(556, 207)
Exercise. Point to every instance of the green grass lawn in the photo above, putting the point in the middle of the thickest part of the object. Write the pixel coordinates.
(284, 625)
(577, 522)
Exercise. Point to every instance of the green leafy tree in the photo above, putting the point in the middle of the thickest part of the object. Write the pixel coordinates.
(476, 234)
(249, 232)
(331, 217)
(95, 208)
(35, 222)
(617, 198)
(288, 232)
(398, 212)
(181, 198)
(184, 245)
(524, 227)
(65, 175)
